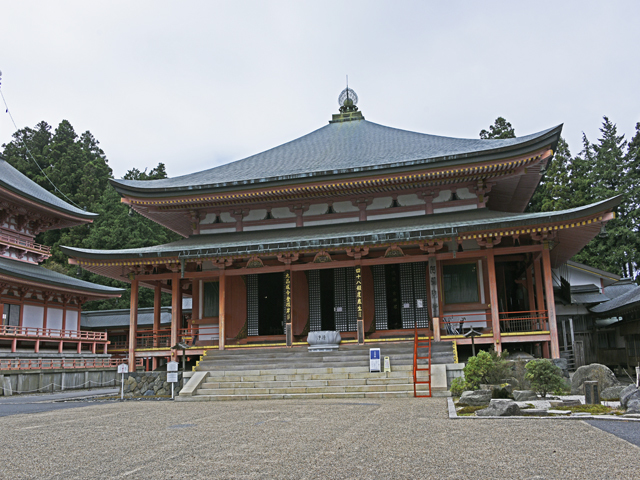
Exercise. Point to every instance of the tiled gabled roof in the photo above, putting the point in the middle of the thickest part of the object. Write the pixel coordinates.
(339, 148)
(13, 180)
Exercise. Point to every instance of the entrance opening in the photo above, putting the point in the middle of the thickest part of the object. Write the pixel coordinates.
(271, 304)
(392, 287)
(327, 301)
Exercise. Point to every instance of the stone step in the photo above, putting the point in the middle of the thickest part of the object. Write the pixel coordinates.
(298, 396)
(307, 389)
(304, 371)
(207, 385)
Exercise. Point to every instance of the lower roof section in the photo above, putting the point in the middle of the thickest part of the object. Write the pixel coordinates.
(461, 225)
(15, 271)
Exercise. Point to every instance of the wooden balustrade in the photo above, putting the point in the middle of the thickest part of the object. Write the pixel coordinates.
(11, 240)
(525, 321)
(37, 333)
(62, 363)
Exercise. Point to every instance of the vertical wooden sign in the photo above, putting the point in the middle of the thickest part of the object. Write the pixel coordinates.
(359, 310)
(287, 307)
(433, 287)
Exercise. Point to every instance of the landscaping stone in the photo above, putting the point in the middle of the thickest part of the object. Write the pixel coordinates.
(149, 384)
(563, 365)
(535, 412)
(633, 406)
(500, 407)
(524, 395)
(611, 393)
(629, 392)
(475, 398)
(559, 412)
(595, 373)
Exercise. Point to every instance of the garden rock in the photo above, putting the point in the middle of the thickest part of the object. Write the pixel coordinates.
(629, 393)
(633, 406)
(611, 393)
(475, 398)
(594, 372)
(524, 395)
(563, 365)
(500, 407)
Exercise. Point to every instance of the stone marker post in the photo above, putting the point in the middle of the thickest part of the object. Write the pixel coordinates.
(591, 393)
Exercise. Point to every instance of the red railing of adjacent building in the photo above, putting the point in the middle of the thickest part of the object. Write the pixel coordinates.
(62, 363)
(526, 321)
(52, 333)
(202, 335)
(510, 322)
(458, 324)
(11, 240)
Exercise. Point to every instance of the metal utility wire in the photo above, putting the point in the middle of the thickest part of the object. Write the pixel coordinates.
(30, 154)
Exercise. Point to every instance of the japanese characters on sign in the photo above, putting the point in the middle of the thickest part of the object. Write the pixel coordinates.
(433, 286)
(359, 292)
(287, 296)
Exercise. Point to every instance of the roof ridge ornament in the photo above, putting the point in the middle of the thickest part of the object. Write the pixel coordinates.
(348, 99)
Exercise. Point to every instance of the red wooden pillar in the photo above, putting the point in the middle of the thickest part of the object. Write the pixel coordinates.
(157, 310)
(539, 284)
(175, 312)
(133, 324)
(531, 293)
(222, 307)
(551, 306)
(493, 299)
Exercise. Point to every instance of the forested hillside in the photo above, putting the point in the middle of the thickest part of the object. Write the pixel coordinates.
(606, 168)
(79, 169)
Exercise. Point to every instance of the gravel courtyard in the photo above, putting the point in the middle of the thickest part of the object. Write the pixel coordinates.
(394, 438)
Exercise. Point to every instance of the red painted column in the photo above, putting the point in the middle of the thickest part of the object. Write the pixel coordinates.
(530, 292)
(221, 313)
(175, 312)
(551, 306)
(493, 299)
(133, 324)
(539, 284)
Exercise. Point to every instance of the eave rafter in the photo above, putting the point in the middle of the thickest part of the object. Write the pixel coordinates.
(537, 234)
(380, 184)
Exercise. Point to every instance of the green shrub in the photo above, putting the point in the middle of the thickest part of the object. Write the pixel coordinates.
(487, 368)
(544, 377)
(457, 386)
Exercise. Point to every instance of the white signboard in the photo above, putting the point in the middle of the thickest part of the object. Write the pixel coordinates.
(123, 368)
(172, 377)
(374, 359)
(172, 367)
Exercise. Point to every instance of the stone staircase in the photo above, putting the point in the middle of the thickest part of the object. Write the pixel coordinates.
(296, 373)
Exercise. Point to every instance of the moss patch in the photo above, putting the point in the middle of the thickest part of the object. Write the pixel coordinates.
(469, 410)
(592, 409)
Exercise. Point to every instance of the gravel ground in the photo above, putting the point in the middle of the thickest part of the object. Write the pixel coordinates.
(372, 439)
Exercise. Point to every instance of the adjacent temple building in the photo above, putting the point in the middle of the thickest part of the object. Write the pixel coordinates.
(40, 308)
(356, 227)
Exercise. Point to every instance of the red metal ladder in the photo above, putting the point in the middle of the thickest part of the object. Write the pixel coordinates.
(421, 345)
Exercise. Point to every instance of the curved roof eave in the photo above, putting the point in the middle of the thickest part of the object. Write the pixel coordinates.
(323, 235)
(336, 150)
(38, 274)
(18, 183)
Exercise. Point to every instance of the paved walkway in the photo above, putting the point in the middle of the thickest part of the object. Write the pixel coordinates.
(324, 439)
(45, 402)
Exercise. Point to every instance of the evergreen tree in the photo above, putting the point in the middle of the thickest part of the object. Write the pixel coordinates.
(606, 169)
(79, 169)
(500, 129)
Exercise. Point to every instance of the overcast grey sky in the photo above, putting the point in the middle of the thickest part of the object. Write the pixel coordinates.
(197, 83)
